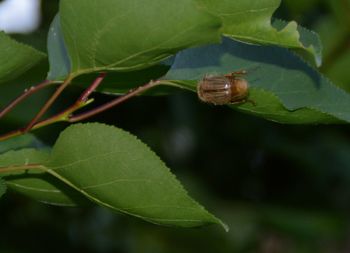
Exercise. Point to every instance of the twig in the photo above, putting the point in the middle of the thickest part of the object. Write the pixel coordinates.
(82, 101)
(113, 103)
(85, 95)
(48, 104)
(21, 168)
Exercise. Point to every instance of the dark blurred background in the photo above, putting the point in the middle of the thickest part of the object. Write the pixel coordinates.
(280, 188)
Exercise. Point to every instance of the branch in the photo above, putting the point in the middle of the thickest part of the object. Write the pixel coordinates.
(22, 168)
(82, 101)
(113, 103)
(48, 104)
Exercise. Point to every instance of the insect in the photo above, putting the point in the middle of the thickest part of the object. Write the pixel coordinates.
(222, 90)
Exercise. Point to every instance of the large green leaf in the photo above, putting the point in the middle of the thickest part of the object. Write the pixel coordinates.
(116, 170)
(120, 35)
(250, 21)
(284, 88)
(16, 58)
(121, 81)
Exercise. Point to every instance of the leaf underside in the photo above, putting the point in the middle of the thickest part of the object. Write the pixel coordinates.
(284, 88)
(250, 21)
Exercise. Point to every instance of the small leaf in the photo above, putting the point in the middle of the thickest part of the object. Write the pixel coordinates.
(16, 58)
(20, 142)
(250, 21)
(284, 88)
(36, 183)
(116, 170)
(118, 35)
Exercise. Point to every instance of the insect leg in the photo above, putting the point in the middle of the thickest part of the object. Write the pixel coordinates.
(235, 74)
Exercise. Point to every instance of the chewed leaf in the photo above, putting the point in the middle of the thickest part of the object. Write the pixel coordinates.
(277, 79)
(250, 21)
(16, 58)
(118, 35)
(114, 169)
(309, 46)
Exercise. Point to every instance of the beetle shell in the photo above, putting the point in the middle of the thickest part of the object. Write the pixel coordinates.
(221, 90)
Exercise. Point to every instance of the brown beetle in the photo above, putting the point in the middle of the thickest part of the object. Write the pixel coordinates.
(221, 90)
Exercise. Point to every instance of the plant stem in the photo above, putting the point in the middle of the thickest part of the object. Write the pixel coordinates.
(85, 95)
(113, 103)
(82, 101)
(23, 96)
(22, 168)
(62, 116)
(48, 104)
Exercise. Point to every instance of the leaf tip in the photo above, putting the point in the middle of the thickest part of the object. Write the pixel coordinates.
(224, 226)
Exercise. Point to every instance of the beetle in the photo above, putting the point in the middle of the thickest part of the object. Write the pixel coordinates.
(223, 89)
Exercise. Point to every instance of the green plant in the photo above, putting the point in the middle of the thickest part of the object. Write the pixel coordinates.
(128, 48)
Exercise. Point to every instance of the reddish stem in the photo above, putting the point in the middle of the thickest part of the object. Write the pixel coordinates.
(62, 116)
(85, 95)
(66, 115)
(113, 103)
(47, 105)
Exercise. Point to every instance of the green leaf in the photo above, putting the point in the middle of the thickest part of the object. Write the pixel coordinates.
(284, 88)
(115, 82)
(118, 35)
(36, 183)
(310, 46)
(114, 169)
(58, 55)
(16, 58)
(250, 21)
(2, 187)
(20, 142)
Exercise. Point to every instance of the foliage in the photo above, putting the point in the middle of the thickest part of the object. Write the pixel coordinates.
(16, 56)
(95, 166)
(139, 47)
